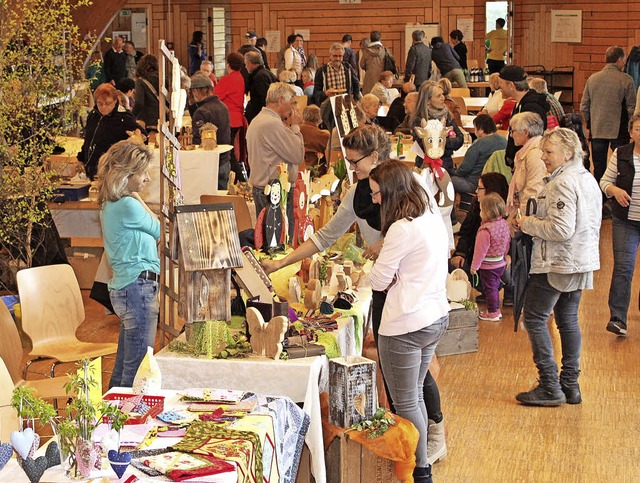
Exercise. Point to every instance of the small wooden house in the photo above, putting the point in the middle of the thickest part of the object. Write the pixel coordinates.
(208, 249)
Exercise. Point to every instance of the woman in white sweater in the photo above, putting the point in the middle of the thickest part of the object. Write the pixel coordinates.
(412, 268)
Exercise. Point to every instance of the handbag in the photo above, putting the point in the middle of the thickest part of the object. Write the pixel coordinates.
(390, 62)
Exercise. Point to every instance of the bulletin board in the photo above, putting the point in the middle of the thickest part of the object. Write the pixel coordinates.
(430, 30)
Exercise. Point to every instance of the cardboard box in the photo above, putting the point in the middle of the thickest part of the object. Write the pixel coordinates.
(462, 335)
(349, 462)
(85, 262)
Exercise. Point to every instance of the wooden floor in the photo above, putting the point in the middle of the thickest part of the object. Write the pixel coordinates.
(490, 437)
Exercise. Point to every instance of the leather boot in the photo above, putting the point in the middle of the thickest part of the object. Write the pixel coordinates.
(422, 474)
(436, 445)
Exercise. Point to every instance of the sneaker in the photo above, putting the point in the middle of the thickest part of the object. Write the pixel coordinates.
(491, 316)
(572, 394)
(540, 396)
(617, 327)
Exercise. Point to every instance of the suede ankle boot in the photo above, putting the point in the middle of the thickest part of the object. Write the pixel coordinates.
(436, 444)
(422, 474)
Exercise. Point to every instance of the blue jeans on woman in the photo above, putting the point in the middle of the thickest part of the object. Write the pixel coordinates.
(405, 361)
(626, 239)
(138, 307)
(539, 300)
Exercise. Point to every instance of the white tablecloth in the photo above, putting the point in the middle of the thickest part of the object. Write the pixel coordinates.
(302, 380)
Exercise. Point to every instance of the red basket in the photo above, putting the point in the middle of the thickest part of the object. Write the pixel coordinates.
(155, 403)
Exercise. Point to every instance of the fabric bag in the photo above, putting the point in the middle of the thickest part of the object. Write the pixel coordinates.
(390, 62)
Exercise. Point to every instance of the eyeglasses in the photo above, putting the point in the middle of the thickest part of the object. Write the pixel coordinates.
(374, 194)
(480, 188)
(355, 163)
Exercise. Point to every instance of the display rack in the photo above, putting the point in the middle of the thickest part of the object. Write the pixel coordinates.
(558, 79)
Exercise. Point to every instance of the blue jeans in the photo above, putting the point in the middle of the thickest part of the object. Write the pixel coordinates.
(138, 307)
(539, 300)
(600, 153)
(626, 239)
(405, 361)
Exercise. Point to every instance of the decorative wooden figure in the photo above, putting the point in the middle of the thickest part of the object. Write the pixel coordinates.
(303, 225)
(313, 294)
(208, 249)
(208, 136)
(266, 338)
(270, 229)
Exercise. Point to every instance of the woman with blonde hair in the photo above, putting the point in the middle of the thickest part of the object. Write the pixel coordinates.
(411, 266)
(131, 231)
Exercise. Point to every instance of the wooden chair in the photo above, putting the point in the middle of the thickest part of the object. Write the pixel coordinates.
(52, 311)
(302, 102)
(8, 415)
(460, 92)
(243, 216)
(461, 104)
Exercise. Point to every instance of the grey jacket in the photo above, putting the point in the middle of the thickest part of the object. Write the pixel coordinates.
(566, 227)
(418, 63)
(602, 102)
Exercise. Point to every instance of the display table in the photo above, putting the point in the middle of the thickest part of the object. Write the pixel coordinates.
(302, 380)
(266, 405)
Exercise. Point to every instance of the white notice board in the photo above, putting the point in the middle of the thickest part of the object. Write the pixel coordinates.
(430, 30)
(566, 25)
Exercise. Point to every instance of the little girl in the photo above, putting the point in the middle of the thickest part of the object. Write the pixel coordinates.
(492, 245)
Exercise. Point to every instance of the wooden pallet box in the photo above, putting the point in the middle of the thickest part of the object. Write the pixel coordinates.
(352, 390)
(349, 462)
(462, 335)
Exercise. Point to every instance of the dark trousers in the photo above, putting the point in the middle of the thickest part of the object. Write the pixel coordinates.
(495, 65)
(600, 152)
(490, 279)
(430, 391)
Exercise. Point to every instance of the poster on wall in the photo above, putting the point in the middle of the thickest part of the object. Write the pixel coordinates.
(566, 25)
(306, 34)
(125, 34)
(465, 25)
(139, 30)
(273, 40)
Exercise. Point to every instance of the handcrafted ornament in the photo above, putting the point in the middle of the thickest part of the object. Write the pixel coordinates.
(270, 229)
(458, 286)
(119, 462)
(136, 136)
(6, 450)
(266, 338)
(434, 136)
(295, 290)
(208, 136)
(148, 379)
(52, 454)
(23, 442)
(86, 456)
(323, 186)
(313, 294)
(303, 225)
(34, 469)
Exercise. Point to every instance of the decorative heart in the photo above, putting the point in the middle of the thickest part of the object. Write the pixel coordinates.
(34, 469)
(22, 441)
(119, 462)
(53, 454)
(6, 450)
(110, 441)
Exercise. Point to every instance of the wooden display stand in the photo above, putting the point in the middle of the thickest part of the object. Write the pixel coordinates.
(461, 336)
(350, 462)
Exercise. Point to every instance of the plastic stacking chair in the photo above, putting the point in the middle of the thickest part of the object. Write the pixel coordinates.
(52, 311)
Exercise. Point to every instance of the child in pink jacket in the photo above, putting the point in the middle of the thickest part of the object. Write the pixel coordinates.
(492, 245)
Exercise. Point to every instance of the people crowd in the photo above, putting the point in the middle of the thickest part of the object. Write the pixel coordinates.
(549, 196)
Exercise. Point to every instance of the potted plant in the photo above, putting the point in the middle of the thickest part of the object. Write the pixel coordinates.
(78, 453)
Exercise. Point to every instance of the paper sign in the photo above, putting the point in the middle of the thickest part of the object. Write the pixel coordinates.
(465, 25)
(566, 25)
(273, 40)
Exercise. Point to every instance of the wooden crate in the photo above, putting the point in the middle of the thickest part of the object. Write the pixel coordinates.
(462, 335)
(349, 462)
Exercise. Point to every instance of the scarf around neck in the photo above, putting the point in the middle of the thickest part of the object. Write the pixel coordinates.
(440, 114)
(364, 207)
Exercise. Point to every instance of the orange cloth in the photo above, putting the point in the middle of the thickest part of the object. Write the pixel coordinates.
(397, 444)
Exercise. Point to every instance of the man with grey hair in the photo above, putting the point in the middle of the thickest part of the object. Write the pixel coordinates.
(273, 138)
(555, 108)
(257, 83)
(418, 60)
(513, 83)
(335, 77)
(607, 105)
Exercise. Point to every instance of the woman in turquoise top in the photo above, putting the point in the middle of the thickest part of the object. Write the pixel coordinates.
(130, 231)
